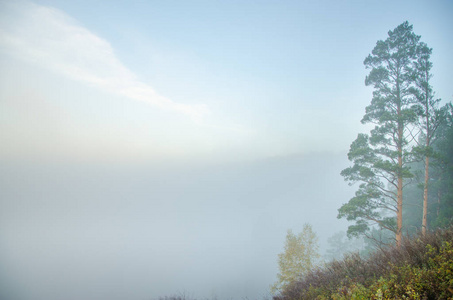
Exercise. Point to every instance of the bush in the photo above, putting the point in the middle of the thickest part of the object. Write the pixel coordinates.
(422, 268)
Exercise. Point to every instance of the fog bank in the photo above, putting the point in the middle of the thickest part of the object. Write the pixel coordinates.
(140, 232)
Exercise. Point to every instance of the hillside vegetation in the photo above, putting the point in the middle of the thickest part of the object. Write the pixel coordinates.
(422, 268)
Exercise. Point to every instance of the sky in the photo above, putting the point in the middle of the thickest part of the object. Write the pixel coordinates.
(184, 80)
(227, 122)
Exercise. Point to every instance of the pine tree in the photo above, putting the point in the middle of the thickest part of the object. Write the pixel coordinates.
(430, 117)
(380, 158)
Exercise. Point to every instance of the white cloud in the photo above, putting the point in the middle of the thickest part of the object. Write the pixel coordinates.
(50, 38)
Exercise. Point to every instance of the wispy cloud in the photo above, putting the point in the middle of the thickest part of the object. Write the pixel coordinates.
(52, 39)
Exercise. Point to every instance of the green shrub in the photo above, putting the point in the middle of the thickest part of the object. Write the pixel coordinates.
(422, 268)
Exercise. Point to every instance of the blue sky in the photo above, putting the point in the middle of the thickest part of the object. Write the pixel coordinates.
(199, 79)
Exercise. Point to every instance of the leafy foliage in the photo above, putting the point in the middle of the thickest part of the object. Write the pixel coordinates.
(422, 268)
(298, 258)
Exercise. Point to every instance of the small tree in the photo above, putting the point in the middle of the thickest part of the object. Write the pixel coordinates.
(301, 252)
(340, 244)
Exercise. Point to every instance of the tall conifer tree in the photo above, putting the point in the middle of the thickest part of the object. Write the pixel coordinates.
(430, 117)
(380, 158)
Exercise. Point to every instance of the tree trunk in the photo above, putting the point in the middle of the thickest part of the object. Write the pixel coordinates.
(399, 213)
(439, 195)
(425, 197)
(399, 194)
(428, 140)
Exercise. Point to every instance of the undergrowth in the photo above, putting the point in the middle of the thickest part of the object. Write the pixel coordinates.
(422, 268)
